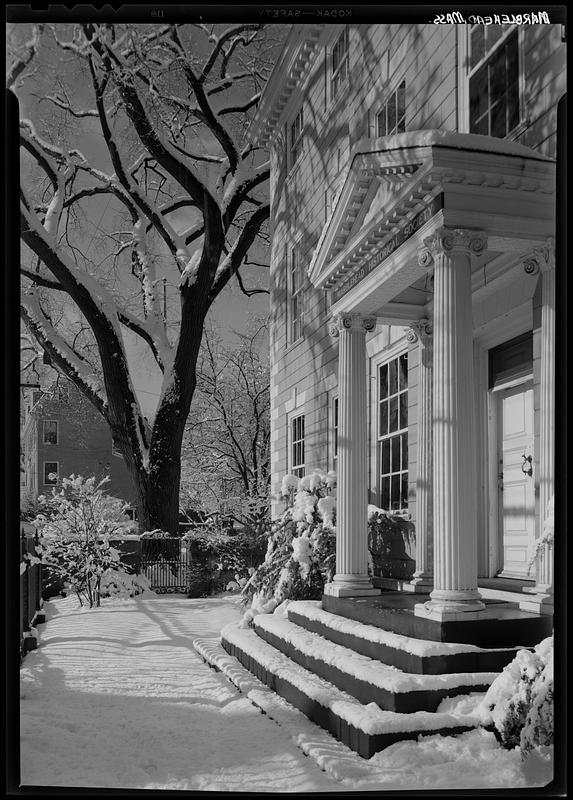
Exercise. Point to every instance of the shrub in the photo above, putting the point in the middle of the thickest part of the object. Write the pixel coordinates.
(520, 700)
(75, 524)
(217, 558)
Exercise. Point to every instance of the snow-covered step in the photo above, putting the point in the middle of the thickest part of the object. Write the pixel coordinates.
(366, 679)
(366, 729)
(404, 652)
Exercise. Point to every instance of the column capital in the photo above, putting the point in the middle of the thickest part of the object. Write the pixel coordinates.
(452, 240)
(350, 322)
(540, 258)
(419, 330)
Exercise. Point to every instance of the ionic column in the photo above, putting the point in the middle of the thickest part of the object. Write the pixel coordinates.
(454, 443)
(544, 563)
(423, 579)
(352, 480)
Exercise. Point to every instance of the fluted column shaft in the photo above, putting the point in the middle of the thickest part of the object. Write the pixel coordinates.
(454, 446)
(544, 565)
(352, 481)
(423, 579)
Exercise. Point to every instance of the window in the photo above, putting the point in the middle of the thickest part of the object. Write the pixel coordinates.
(50, 473)
(393, 433)
(339, 64)
(392, 118)
(296, 138)
(297, 446)
(296, 280)
(494, 81)
(50, 431)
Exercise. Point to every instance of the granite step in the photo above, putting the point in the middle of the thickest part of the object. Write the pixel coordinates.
(366, 679)
(417, 656)
(366, 729)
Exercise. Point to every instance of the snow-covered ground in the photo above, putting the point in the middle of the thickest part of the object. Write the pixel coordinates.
(118, 697)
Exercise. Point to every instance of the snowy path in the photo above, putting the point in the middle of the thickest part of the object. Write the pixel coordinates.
(117, 697)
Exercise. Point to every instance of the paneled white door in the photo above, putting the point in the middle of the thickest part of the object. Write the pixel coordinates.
(516, 479)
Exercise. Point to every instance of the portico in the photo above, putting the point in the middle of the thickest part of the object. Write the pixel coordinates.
(428, 229)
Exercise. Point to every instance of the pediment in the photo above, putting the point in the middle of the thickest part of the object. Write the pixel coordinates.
(394, 185)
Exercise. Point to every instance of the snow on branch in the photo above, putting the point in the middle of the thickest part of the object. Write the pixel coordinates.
(30, 48)
(68, 360)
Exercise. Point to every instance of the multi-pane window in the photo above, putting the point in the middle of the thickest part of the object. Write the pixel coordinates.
(339, 63)
(297, 446)
(296, 137)
(392, 118)
(393, 433)
(50, 431)
(50, 473)
(296, 281)
(494, 81)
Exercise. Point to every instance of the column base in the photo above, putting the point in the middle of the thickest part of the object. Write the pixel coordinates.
(422, 582)
(453, 605)
(350, 586)
(539, 603)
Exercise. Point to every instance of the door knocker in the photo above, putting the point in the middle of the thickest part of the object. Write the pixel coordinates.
(527, 467)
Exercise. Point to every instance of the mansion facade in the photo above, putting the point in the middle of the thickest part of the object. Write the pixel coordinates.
(413, 263)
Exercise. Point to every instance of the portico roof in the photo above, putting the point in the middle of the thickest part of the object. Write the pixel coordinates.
(397, 190)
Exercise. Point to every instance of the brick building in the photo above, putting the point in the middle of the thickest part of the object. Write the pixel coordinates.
(62, 434)
(413, 285)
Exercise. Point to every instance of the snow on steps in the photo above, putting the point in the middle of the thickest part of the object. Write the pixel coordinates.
(366, 679)
(404, 652)
(366, 729)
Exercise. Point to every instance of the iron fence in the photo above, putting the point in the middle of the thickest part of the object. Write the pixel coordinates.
(31, 612)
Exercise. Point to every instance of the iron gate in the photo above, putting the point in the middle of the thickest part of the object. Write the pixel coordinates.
(165, 562)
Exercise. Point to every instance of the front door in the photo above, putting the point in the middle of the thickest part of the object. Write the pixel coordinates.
(516, 479)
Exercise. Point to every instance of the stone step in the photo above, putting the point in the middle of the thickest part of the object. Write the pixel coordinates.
(366, 679)
(396, 612)
(366, 729)
(411, 655)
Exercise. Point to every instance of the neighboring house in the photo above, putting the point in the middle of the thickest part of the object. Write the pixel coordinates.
(63, 435)
(413, 287)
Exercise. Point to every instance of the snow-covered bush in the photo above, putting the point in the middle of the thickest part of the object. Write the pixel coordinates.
(548, 535)
(75, 524)
(520, 700)
(300, 555)
(390, 536)
(301, 550)
(120, 584)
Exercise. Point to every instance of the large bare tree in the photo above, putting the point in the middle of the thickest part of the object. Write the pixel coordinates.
(184, 191)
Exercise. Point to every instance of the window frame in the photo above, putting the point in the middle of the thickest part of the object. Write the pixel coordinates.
(401, 433)
(295, 295)
(392, 97)
(296, 466)
(45, 474)
(470, 72)
(57, 424)
(335, 82)
(295, 143)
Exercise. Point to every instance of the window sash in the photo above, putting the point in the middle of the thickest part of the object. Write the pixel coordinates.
(48, 468)
(296, 137)
(297, 446)
(50, 431)
(340, 63)
(392, 118)
(393, 433)
(296, 280)
(494, 87)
